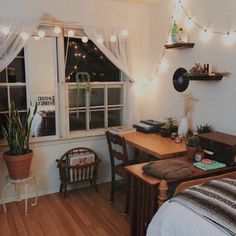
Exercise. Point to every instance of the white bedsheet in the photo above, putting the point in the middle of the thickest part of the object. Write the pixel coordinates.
(174, 219)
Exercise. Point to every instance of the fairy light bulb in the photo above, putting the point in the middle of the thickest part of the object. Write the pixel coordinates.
(163, 65)
(57, 30)
(5, 30)
(137, 87)
(113, 38)
(36, 38)
(206, 35)
(189, 23)
(41, 34)
(71, 33)
(84, 39)
(100, 40)
(24, 36)
(229, 39)
(124, 32)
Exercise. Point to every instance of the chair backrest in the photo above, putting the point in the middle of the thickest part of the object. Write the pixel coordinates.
(117, 148)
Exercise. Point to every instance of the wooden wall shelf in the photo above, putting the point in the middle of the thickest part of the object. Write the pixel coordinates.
(205, 77)
(179, 45)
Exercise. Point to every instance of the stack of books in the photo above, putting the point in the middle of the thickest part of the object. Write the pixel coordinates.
(122, 130)
(211, 166)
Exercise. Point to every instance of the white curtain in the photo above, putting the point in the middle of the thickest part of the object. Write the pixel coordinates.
(115, 45)
(14, 34)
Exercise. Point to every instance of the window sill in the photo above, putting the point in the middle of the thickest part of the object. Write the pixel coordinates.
(47, 141)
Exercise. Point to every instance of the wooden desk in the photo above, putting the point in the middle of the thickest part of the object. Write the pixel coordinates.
(155, 145)
(147, 193)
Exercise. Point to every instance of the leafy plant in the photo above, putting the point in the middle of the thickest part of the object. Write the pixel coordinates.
(17, 131)
(171, 124)
(204, 128)
(193, 141)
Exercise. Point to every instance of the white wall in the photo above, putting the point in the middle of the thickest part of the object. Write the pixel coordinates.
(91, 12)
(216, 100)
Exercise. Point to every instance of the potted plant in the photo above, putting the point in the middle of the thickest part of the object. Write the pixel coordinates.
(204, 128)
(192, 145)
(170, 126)
(16, 133)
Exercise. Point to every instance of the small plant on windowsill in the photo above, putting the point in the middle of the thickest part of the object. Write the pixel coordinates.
(16, 133)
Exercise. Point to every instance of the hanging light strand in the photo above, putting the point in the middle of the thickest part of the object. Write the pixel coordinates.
(164, 49)
(199, 25)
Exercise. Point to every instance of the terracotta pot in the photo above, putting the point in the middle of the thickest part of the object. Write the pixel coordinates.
(191, 151)
(18, 166)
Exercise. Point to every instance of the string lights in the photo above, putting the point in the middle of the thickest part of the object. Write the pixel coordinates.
(206, 34)
(228, 37)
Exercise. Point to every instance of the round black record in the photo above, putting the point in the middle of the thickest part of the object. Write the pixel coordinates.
(180, 81)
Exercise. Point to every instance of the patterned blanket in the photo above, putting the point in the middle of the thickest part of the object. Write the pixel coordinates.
(215, 201)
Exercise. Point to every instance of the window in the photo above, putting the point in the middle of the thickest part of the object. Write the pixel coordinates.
(13, 87)
(95, 101)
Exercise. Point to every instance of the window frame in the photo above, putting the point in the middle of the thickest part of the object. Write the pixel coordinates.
(106, 107)
(61, 97)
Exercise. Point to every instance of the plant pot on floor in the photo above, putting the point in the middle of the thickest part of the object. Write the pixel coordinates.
(18, 166)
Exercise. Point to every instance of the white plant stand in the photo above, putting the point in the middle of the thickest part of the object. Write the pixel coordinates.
(26, 182)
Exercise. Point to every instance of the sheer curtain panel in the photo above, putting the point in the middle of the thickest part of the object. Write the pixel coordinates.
(14, 34)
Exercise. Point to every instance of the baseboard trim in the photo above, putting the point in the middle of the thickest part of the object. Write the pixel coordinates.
(54, 190)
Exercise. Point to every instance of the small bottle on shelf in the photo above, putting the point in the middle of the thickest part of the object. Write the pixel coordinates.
(174, 32)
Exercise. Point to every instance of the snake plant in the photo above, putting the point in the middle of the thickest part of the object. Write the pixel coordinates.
(17, 131)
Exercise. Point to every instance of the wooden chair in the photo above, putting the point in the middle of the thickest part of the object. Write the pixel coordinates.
(83, 171)
(119, 159)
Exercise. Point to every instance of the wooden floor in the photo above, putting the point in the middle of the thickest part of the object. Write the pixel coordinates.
(84, 212)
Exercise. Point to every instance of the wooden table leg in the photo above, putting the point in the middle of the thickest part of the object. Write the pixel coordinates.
(163, 192)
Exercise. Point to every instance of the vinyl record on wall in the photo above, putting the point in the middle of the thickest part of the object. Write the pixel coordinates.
(180, 81)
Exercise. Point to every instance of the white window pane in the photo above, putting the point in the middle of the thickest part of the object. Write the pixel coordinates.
(77, 120)
(97, 119)
(114, 96)
(114, 117)
(18, 95)
(3, 99)
(16, 71)
(77, 98)
(97, 97)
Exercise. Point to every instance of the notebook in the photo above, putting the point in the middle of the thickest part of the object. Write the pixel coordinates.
(214, 165)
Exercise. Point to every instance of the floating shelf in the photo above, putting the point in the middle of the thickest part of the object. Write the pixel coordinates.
(204, 77)
(179, 45)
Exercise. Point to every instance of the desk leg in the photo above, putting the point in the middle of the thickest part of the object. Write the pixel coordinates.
(163, 192)
(143, 206)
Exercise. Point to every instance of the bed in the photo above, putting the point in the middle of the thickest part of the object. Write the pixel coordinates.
(178, 218)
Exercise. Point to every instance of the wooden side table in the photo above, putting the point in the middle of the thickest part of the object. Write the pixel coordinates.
(148, 193)
(26, 182)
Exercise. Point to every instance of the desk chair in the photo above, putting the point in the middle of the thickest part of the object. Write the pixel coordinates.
(118, 153)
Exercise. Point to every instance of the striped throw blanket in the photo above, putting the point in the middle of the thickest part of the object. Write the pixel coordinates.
(215, 201)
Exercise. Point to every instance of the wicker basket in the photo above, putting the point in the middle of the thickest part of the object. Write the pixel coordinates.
(85, 168)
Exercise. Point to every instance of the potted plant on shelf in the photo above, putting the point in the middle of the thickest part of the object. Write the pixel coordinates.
(204, 128)
(16, 133)
(192, 145)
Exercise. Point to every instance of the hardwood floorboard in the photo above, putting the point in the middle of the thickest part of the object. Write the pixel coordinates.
(84, 213)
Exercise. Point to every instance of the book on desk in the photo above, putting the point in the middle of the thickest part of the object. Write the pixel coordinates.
(121, 130)
(212, 166)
